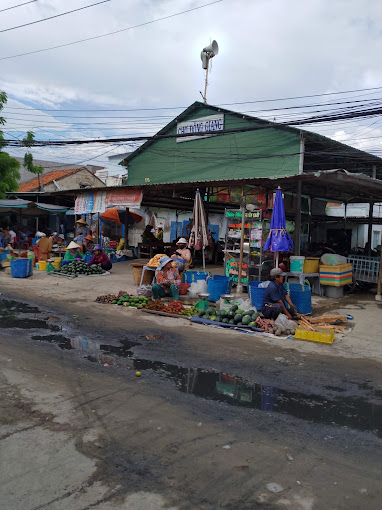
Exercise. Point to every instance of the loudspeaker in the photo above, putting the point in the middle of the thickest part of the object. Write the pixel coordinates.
(212, 49)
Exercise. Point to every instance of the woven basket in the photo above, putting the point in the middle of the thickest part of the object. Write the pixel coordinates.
(137, 275)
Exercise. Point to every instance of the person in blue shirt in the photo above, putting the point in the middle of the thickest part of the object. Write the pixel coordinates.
(275, 297)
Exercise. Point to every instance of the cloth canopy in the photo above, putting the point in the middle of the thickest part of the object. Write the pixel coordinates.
(27, 207)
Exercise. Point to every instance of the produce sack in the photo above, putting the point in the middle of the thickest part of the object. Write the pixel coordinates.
(144, 290)
(283, 322)
(196, 288)
(331, 259)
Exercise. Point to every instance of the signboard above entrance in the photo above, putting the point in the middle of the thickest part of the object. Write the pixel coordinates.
(98, 201)
(201, 125)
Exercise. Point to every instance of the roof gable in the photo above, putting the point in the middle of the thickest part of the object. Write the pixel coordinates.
(49, 177)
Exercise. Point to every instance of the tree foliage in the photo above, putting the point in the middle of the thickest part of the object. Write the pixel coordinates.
(9, 167)
(28, 158)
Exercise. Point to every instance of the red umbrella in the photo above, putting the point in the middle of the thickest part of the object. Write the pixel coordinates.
(116, 216)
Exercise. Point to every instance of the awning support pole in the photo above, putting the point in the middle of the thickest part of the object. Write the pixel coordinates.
(297, 221)
(370, 228)
(125, 246)
(378, 296)
(239, 288)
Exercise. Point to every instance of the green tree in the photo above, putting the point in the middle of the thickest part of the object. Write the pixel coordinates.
(9, 167)
(28, 158)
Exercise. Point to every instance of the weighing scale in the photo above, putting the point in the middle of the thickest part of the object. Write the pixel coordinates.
(203, 303)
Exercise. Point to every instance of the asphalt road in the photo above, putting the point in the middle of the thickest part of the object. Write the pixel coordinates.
(210, 423)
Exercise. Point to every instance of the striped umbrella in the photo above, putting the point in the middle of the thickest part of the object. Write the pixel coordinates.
(199, 231)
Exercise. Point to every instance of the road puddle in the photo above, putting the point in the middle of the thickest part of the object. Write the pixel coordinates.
(350, 412)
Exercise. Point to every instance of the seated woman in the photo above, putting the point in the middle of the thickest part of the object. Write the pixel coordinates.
(100, 258)
(168, 280)
(88, 245)
(72, 253)
(182, 256)
(274, 297)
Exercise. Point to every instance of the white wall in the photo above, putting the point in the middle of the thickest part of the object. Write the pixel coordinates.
(164, 219)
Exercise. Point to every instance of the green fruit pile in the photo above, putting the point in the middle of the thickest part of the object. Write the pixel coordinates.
(133, 301)
(189, 312)
(76, 268)
(232, 316)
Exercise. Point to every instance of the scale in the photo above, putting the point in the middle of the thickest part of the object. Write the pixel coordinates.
(225, 303)
(49, 266)
(203, 303)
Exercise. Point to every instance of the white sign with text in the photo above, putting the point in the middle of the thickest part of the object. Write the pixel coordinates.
(203, 125)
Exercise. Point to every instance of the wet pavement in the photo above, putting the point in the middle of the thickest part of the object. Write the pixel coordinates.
(346, 411)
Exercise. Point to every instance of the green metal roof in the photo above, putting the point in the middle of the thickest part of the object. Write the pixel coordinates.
(261, 153)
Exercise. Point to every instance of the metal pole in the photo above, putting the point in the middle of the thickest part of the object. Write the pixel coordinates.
(378, 296)
(370, 228)
(206, 82)
(126, 230)
(297, 237)
(239, 288)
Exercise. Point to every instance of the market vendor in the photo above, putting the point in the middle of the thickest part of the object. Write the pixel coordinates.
(167, 280)
(72, 253)
(148, 235)
(44, 245)
(275, 297)
(100, 258)
(88, 245)
(82, 230)
(182, 256)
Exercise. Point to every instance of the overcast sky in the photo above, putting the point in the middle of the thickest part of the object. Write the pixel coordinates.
(267, 49)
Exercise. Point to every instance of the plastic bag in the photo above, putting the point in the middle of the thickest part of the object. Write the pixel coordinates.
(283, 322)
(264, 285)
(331, 259)
(198, 287)
(144, 290)
(246, 305)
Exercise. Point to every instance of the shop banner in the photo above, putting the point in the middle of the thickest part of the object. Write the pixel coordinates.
(90, 202)
(261, 198)
(203, 125)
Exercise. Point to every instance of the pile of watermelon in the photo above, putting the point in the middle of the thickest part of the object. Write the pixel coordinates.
(233, 316)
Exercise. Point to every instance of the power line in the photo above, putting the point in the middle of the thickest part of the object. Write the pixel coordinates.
(374, 101)
(183, 107)
(267, 125)
(56, 16)
(112, 33)
(19, 5)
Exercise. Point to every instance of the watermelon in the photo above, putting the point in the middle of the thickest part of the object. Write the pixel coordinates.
(246, 320)
(237, 318)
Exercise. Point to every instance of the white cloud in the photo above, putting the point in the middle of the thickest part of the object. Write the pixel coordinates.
(267, 49)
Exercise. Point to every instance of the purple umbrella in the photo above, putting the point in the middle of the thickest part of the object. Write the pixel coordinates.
(278, 238)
